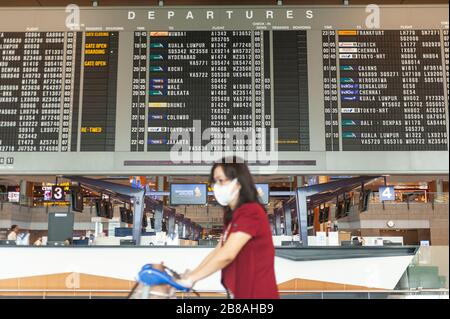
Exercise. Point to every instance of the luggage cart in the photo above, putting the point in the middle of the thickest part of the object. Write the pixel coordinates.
(156, 281)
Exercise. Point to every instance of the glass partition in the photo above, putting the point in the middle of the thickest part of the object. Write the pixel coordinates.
(428, 269)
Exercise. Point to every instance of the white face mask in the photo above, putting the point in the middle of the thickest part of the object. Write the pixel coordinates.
(224, 194)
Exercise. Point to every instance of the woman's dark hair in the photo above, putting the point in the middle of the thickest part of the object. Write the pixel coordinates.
(13, 227)
(235, 167)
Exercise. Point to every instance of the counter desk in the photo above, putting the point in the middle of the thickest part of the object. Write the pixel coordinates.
(113, 268)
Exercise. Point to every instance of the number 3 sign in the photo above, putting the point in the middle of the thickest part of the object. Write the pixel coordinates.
(58, 193)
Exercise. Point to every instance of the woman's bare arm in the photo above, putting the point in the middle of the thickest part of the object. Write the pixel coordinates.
(210, 255)
(222, 257)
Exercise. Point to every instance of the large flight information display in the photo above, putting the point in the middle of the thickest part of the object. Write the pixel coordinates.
(214, 77)
(40, 87)
(31, 90)
(391, 90)
(116, 92)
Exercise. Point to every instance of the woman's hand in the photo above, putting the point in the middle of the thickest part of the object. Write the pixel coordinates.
(186, 273)
(186, 281)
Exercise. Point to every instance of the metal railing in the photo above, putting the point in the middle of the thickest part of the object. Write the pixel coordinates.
(414, 198)
(316, 294)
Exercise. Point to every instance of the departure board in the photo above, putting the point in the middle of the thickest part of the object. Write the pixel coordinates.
(199, 75)
(40, 87)
(31, 89)
(98, 115)
(391, 90)
(446, 58)
(222, 79)
(317, 90)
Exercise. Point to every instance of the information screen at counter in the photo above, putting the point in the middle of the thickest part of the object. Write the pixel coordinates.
(188, 194)
(117, 92)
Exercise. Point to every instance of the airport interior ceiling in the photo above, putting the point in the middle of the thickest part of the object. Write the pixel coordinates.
(16, 3)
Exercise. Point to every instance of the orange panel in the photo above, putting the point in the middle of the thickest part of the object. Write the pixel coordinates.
(159, 34)
(347, 32)
(103, 283)
(61, 3)
(334, 286)
(21, 3)
(67, 281)
(288, 285)
(307, 284)
(9, 283)
(316, 219)
(218, 2)
(36, 282)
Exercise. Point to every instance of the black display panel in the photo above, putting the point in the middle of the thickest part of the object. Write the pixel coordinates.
(74, 98)
(291, 90)
(98, 119)
(77, 200)
(40, 91)
(223, 80)
(330, 90)
(391, 85)
(31, 86)
(387, 85)
(139, 92)
(446, 59)
(199, 76)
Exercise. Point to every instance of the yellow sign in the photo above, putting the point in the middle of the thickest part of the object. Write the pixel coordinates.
(347, 32)
(97, 34)
(156, 104)
(91, 130)
(95, 63)
(159, 34)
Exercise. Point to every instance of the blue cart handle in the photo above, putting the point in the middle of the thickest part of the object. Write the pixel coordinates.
(150, 276)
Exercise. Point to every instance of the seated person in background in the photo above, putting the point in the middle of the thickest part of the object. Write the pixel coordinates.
(38, 242)
(14, 230)
(362, 241)
(68, 242)
(358, 241)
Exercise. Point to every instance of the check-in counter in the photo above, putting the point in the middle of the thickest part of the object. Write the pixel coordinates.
(115, 268)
